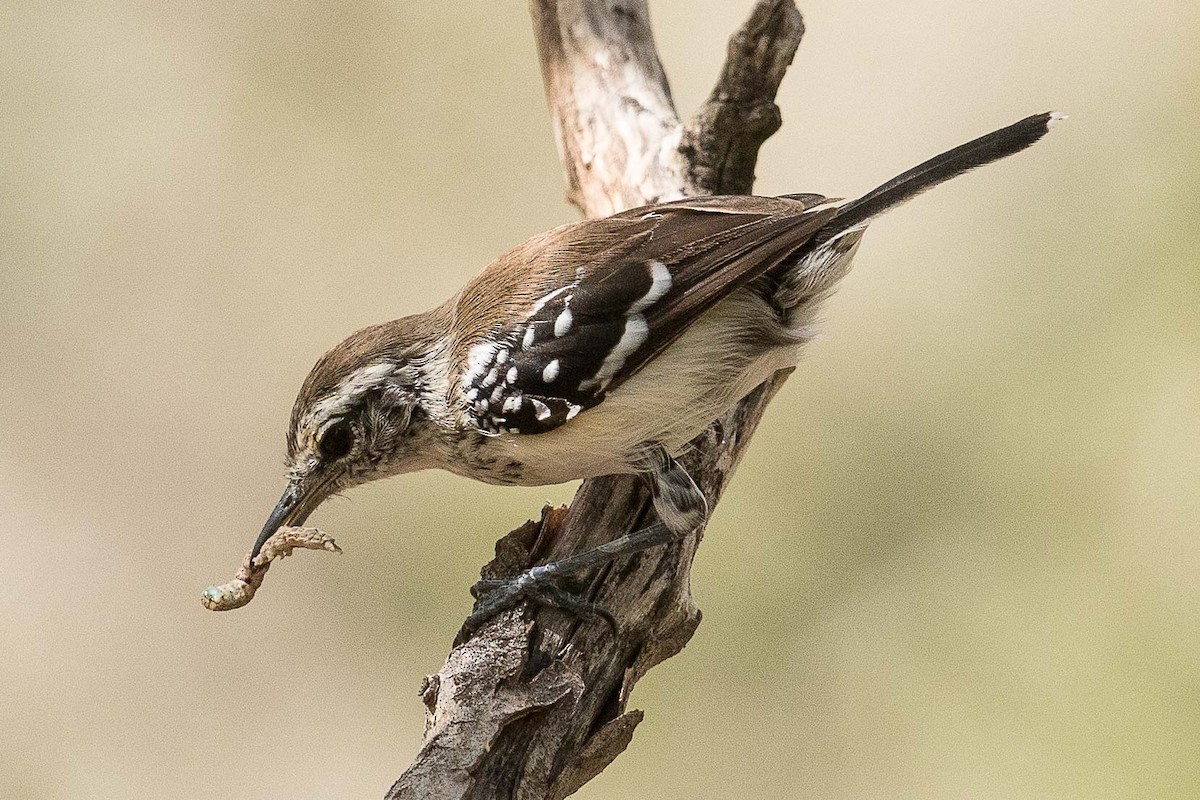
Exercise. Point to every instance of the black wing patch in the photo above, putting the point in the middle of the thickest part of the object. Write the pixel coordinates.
(586, 337)
(566, 354)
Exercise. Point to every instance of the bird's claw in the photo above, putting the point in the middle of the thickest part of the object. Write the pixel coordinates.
(495, 596)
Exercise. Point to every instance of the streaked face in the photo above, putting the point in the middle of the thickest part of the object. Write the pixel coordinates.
(367, 426)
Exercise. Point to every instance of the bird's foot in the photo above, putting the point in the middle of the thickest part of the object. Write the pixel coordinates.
(539, 586)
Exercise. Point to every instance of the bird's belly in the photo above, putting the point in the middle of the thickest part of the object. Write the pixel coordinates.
(716, 362)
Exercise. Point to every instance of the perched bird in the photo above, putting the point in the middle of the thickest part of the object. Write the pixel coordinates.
(596, 348)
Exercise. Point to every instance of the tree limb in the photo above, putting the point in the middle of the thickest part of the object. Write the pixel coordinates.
(534, 705)
(613, 116)
(720, 146)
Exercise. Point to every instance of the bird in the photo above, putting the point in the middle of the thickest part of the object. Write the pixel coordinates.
(599, 347)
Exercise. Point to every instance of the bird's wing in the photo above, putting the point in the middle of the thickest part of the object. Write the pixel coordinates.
(579, 311)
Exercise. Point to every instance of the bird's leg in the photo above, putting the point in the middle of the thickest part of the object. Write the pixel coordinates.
(681, 509)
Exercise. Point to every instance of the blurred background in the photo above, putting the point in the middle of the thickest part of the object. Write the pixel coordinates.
(960, 560)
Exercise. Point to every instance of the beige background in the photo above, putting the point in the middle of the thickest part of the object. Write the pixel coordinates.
(961, 559)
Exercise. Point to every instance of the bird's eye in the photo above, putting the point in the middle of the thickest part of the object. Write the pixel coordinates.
(337, 441)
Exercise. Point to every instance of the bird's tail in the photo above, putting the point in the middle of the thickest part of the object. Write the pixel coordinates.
(904, 187)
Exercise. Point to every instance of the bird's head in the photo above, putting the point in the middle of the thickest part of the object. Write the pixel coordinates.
(363, 413)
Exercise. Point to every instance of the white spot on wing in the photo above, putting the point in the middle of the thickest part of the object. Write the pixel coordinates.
(527, 342)
(512, 404)
(502, 355)
(633, 337)
(511, 377)
(660, 283)
(542, 410)
(540, 304)
(479, 358)
(550, 372)
(574, 409)
(490, 378)
(563, 323)
(636, 331)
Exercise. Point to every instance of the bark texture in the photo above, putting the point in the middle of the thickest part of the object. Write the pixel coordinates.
(535, 705)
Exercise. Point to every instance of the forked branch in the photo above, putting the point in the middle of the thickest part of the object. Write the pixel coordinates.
(535, 704)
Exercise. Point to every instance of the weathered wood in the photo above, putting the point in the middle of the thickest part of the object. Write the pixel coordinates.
(720, 145)
(535, 705)
(613, 116)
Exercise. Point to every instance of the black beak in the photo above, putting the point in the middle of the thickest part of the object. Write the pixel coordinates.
(300, 499)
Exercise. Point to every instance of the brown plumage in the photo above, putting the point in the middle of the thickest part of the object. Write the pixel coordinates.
(598, 347)
(595, 273)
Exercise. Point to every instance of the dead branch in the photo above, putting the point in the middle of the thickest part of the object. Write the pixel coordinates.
(534, 705)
